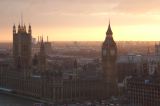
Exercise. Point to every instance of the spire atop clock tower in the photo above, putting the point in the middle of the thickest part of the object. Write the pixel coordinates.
(109, 35)
(109, 32)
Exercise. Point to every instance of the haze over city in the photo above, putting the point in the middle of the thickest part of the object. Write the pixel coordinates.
(79, 53)
(83, 20)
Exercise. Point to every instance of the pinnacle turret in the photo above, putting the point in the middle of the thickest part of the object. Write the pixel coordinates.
(14, 29)
(30, 29)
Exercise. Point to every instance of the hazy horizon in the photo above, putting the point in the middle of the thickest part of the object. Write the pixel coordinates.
(86, 41)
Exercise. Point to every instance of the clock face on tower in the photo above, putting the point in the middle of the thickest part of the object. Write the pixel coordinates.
(151, 69)
(112, 52)
(104, 52)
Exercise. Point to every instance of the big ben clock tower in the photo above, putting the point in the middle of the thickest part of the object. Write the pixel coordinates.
(109, 56)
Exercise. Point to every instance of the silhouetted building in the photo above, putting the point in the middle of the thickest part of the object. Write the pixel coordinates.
(42, 57)
(109, 58)
(48, 46)
(143, 87)
(33, 77)
(157, 49)
(22, 44)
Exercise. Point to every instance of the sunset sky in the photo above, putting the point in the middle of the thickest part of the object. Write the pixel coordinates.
(79, 20)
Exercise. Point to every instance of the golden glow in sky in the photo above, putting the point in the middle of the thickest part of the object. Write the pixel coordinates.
(83, 20)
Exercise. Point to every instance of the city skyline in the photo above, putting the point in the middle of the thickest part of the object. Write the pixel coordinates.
(120, 67)
(83, 20)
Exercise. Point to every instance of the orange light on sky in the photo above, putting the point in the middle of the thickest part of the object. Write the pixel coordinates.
(83, 20)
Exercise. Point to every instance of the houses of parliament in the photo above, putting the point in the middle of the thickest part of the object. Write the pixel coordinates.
(31, 74)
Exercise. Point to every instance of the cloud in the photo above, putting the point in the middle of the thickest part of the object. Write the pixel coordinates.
(137, 6)
(80, 6)
(79, 13)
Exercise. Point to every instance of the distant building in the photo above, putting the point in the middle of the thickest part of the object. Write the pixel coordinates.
(47, 44)
(144, 91)
(33, 41)
(143, 87)
(157, 49)
(42, 57)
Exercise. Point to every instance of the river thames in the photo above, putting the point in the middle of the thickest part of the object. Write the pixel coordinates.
(10, 100)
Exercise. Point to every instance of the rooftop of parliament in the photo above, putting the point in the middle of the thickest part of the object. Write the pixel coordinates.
(32, 71)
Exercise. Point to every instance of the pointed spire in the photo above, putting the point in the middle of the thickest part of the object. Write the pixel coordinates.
(148, 51)
(29, 25)
(19, 28)
(42, 45)
(38, 39)
(24, 27)
(14, 26)
(47, 38)
(14, 29)
(75, 63)
(30, 29)
(42, 55)
(109, 30)
(42, 38)
(21, 19)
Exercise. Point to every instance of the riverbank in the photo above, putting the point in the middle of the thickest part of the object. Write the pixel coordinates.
(12, 100)
(34, 100)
